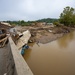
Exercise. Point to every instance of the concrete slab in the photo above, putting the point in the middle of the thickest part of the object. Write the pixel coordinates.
(24, 39)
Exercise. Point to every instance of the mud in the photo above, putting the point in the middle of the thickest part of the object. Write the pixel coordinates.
(44, 34)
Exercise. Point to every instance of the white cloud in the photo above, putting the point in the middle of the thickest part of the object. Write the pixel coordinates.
(32, 9)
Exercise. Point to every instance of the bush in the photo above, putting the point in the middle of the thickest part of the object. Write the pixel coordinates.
(57, 23)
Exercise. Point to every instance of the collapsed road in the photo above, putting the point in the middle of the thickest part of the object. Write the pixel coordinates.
(11, 61)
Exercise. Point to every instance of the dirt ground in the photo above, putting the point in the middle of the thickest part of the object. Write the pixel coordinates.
(44, 34)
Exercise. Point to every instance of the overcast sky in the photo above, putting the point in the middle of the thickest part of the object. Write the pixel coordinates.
(32, 9)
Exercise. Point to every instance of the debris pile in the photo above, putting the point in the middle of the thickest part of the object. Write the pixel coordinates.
(3, 37)
(45, 33)
(4, 28)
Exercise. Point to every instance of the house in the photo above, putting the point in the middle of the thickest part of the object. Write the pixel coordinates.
(40, 23)
(50, 24)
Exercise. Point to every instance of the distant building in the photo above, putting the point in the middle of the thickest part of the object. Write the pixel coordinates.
(40, 23)
(50, 24)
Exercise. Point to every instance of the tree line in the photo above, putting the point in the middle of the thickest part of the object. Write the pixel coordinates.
(48, 20)
(67, 18)
(27, 23)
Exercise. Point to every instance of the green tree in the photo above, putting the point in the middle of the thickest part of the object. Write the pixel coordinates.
(67, 17)
(22, 21)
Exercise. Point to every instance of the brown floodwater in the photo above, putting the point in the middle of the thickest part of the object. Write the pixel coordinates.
(54, 58)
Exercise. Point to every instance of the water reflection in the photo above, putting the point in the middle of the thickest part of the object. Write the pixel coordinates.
(65, 40)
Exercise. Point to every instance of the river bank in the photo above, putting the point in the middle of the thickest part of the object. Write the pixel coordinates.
(53, 58)
(45, 34)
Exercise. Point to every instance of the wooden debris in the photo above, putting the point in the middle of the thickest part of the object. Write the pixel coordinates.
(3, 41)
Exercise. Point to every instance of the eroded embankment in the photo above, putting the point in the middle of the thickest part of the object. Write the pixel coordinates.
(45, 34)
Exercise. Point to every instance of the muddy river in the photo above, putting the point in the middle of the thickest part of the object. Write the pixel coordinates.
(54, 58)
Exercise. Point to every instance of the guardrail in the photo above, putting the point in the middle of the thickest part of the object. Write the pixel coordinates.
(17, 66)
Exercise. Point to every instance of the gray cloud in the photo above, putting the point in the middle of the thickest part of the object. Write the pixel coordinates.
(32, 9)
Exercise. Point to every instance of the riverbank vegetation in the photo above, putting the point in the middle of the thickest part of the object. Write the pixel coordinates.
(67, 17)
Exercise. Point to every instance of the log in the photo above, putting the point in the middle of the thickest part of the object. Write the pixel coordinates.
(3, 39)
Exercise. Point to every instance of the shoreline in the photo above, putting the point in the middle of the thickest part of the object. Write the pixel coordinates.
(45, 34)
(48, 37)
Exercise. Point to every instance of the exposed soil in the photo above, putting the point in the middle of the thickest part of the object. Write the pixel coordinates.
(44, 34)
